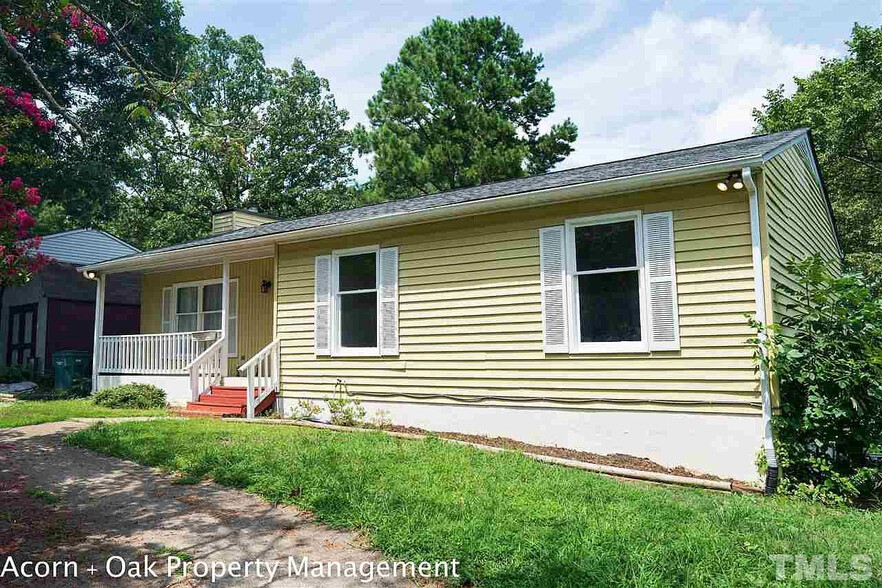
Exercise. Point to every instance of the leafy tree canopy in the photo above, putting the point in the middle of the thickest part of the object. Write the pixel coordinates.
(79, 57)
(237, 134)
(461, 106)
(842, 103)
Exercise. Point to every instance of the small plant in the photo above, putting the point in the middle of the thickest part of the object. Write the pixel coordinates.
(16, 373)
(42, 495)
(346, 411)
(81, 387)
(382, 419)
(165, 551)
(131, 396)
(306, 410)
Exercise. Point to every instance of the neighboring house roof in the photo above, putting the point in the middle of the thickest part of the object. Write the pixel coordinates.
(682, 163)
(85, 246)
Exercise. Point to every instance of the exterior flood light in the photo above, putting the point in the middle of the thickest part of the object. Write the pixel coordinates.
(733, 179)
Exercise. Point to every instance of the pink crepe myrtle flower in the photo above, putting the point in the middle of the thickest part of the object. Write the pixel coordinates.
(99, 34)
(16, 184)
(24, 219)
(33, 196)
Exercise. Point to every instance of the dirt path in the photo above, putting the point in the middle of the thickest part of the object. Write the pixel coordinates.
(101, 506)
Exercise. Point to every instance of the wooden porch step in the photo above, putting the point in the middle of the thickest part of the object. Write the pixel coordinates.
(215, 409)
(229, 391)
(222, 400)
(230, 402)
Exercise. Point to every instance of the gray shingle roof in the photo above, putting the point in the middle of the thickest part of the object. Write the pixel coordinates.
(85, 246)
(737, 149)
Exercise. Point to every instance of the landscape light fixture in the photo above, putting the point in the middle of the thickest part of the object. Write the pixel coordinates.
(733, 180)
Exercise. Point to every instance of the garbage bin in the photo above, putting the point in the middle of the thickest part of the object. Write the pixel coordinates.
(69, 365)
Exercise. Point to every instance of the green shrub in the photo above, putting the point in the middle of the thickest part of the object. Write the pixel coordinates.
(346, 411)
(16, 373)
(81, 387)
(130, 396)
(306, 410)
(827, 358)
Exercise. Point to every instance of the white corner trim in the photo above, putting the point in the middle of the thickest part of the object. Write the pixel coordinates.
(761, 312)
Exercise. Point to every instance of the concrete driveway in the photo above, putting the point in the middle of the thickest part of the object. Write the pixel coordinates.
(62, 503)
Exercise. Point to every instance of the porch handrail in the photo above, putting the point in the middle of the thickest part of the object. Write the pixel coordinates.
(262, 372)
(207, 369)
(153, 353)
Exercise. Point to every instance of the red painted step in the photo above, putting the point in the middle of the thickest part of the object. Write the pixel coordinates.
(235, 391)
(225, 401)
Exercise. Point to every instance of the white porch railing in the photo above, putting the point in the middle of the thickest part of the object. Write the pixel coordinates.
(262, 372)
(157, 353)
(207, 370)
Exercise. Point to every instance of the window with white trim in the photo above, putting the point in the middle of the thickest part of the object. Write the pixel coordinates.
(608, 284)
(356, 302)
(354, 288)
(605, 259)
(198, 307)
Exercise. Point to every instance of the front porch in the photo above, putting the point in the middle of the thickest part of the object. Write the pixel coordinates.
(206, 338)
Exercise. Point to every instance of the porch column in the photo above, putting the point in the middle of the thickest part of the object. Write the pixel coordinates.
(225, 313)
(100, 282)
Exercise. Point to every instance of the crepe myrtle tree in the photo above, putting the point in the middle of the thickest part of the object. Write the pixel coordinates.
(19, 255)
(55, 26)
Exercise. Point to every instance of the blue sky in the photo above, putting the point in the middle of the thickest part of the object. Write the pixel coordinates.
(636, 77)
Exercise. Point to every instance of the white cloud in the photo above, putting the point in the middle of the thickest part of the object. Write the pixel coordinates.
(674, 83)
(563, 35)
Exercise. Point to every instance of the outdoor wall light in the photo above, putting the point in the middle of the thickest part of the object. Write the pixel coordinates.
(265, 286)
(733, 179)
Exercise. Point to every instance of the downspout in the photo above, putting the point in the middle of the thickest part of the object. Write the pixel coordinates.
(762, 317)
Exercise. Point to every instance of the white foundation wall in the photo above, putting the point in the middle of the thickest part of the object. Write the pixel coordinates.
(177, 388)
(718, 444)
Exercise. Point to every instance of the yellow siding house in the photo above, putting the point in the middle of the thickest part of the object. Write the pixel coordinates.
(601, 308)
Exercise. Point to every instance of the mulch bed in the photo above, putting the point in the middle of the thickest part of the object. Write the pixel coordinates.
(619, 460)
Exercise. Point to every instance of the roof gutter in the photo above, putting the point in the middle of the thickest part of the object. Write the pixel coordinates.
(761, 316)
(530, 199)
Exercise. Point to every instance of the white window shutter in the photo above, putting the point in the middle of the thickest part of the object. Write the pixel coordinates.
(323, 305)
(552, 256)
(388, 301)
(167, 310)
(661, 273)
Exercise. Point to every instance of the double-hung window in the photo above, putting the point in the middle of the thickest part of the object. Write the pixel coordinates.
(356, 302)
(609, 284)
(605, 257)
(198, 306)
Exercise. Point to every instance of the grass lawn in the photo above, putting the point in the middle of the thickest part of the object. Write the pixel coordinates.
(34, 412)
(510, 520)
